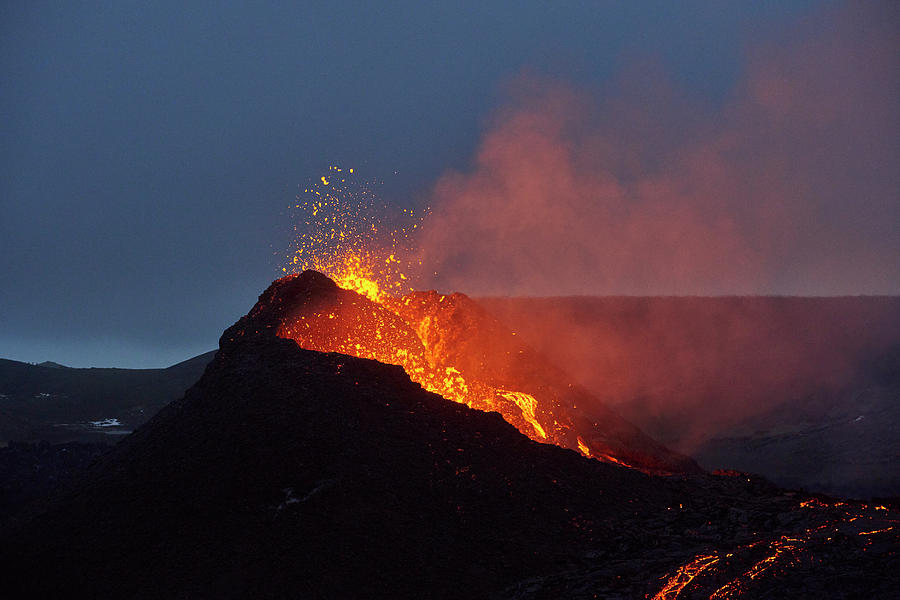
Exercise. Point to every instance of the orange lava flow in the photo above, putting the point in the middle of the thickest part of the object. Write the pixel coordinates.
(784, 552)
(381, 334)
(685, 575)
(583, 447)
(780, 553)
(527, 404)
(876, 531)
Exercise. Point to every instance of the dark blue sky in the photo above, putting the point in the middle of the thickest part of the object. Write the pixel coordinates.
(148, 151)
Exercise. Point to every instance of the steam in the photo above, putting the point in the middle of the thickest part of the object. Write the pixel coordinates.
(792, 186)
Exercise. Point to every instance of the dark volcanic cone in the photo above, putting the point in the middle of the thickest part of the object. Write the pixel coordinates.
(451, 345)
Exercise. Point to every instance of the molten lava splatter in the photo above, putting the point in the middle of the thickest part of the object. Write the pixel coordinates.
(345, 231)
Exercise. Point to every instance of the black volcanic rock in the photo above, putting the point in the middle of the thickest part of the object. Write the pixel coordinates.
(290, 473)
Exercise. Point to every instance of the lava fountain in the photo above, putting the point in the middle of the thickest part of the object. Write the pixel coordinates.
(445, 342)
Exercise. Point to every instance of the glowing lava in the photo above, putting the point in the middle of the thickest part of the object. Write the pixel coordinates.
(685, 575)
(346, 233)
(354, 324)
(347, 237)
(527, 404)
(770, 558)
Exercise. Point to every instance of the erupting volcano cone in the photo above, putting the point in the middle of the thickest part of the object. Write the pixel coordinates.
(453, 347)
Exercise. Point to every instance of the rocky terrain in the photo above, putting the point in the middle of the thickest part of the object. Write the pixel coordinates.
(286, 472)
(29, 471)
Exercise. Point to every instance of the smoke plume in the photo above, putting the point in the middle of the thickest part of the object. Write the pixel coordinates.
(791, 186)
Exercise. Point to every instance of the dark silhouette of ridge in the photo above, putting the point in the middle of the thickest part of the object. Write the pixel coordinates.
(50, 402)
(52, 365)
(325, 475)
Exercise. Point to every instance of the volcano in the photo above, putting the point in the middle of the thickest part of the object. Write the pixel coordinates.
(452, 346)
(290, 472)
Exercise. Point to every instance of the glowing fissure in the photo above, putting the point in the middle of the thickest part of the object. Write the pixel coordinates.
(783, 552)
(684, 576)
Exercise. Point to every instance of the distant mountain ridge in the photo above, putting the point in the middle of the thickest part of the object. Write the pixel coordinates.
(52, 365)
(57, 403)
